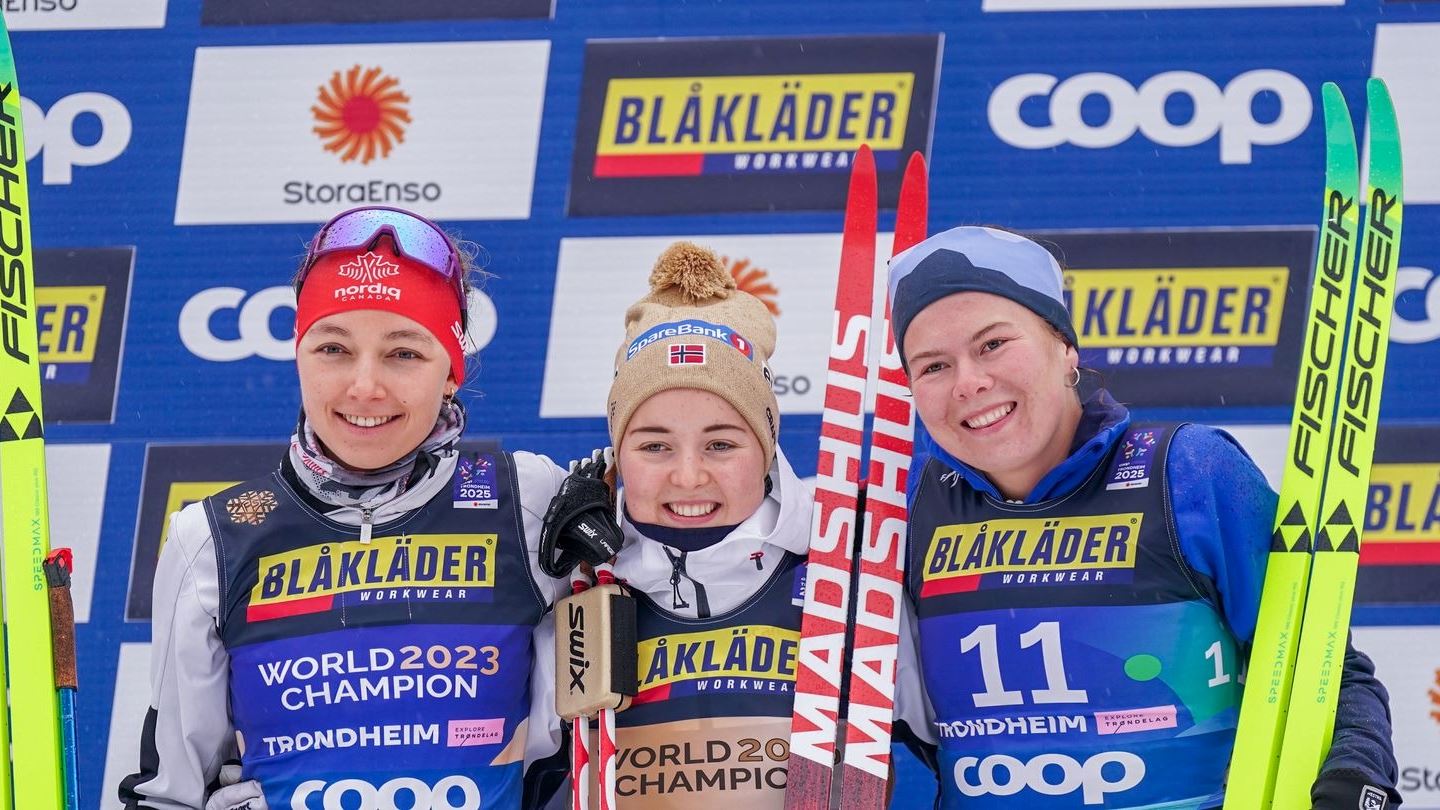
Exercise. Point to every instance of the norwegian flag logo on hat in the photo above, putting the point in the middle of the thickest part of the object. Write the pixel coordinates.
(684, 354)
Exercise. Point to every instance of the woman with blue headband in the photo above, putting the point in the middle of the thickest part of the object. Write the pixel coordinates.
(1076, 579)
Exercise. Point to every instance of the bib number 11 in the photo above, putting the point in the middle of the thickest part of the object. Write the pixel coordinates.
(1047, 635)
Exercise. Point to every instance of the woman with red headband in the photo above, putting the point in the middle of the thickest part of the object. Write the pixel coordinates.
(355, 629)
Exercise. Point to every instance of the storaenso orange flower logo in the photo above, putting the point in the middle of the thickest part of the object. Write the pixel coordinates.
(1435, 698)
(755, 281)
(361, 114)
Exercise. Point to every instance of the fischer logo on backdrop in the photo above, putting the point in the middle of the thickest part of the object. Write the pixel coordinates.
(254, 327)
(1227, 112)
(53, 131)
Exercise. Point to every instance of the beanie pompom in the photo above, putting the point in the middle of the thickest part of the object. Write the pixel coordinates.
(696, 272)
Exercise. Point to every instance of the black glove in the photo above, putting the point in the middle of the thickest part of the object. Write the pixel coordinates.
(580, 523)
(1350, 790)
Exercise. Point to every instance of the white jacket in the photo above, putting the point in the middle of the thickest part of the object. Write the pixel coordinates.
(188, 734)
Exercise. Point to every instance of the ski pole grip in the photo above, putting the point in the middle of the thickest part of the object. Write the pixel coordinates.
(62, 618)
(595, 651)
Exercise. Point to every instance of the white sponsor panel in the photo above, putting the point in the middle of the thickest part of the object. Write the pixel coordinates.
(598, 278)
(296, 133)
(127, 719)
(1138, 5)
(1226, 111)
(1407, 57)
(75, 477)
(254, 336)
(1407, 661)
(1419, 280)
(53, 133)
(75, 15)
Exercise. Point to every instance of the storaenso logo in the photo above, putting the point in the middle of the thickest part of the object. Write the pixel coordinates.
(1227, 111)
(1001, 775)
(450, 793)
(255, 333)
(54, 131)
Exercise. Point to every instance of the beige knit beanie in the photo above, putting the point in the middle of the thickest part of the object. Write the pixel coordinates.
(697, 330)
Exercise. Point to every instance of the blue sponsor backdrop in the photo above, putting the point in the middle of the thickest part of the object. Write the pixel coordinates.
(1096, 119)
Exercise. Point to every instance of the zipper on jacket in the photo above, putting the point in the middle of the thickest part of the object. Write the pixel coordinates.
(365, 526)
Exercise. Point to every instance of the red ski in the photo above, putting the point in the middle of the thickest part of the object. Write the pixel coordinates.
(814, 728)
(837, 532)
(879, 588)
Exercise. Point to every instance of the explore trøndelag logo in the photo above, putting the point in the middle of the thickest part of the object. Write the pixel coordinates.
(82, 296)
(596, 281)
(294, 133)
(744, 124)
(1188, 317)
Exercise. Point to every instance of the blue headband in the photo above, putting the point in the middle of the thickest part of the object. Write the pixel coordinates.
(970, 259)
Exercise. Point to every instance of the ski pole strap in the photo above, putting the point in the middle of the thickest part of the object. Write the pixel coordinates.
(58, 565)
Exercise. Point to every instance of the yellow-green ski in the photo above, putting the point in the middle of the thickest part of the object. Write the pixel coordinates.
(33, 728)
(1326, 626)
(1256, 756)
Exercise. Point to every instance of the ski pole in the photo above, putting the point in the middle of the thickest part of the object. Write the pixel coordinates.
(59, 564)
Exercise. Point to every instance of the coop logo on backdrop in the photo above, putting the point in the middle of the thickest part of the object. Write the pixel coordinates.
(72, 15)
(739, 124)
(50, 134)
(82, 295)
(596, 281)
(1041, 111)
(225, 324)
(334, 126)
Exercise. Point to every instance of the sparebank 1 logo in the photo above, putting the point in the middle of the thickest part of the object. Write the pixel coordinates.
(361, 114)
(53, 132)
(1227, 111)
